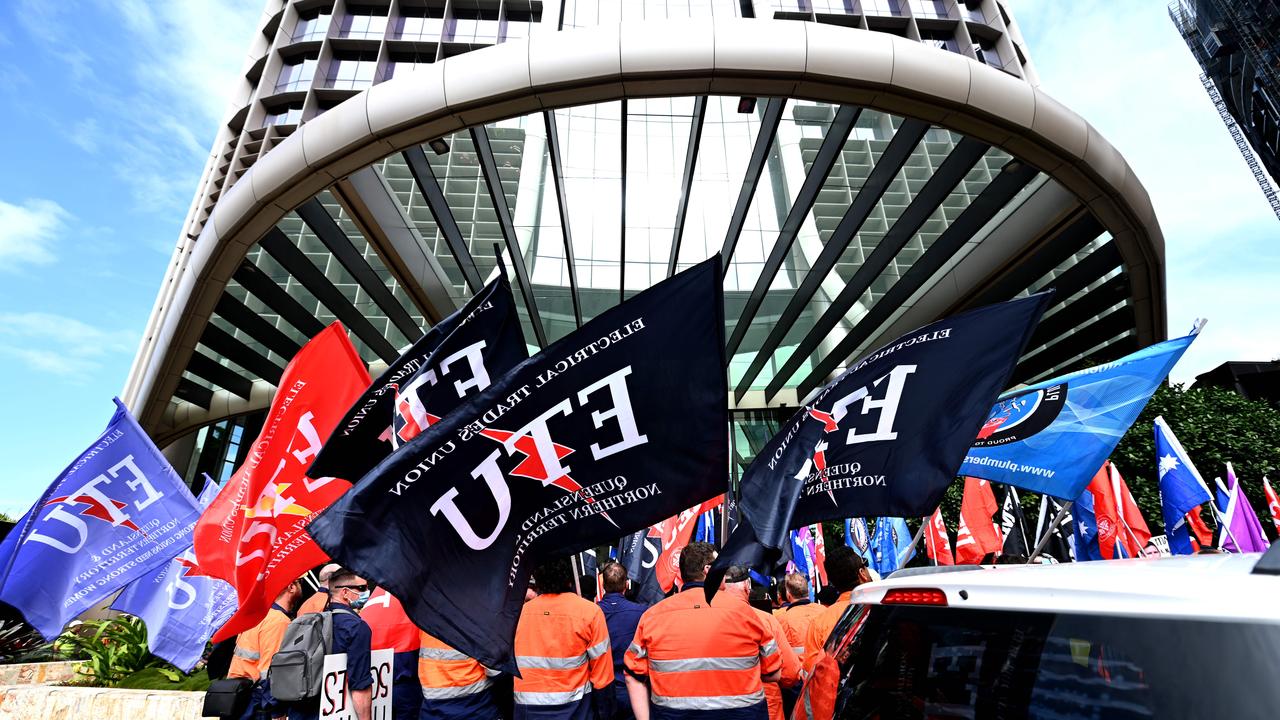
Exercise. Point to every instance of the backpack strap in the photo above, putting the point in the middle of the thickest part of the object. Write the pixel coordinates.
(328, 626)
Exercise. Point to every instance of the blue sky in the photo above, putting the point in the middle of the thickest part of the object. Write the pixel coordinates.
(111, 105)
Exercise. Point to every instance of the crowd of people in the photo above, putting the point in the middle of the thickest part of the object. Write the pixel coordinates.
(742, 656)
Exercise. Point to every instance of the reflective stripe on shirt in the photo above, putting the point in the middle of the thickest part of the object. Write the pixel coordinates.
(552, 698)
(598, 649)
(246, 654)
(442, 654)
(550, 663)
(713, 702)
(769, 648)
(798, 650)
(447, 693)
(637, 651)
(710, 663)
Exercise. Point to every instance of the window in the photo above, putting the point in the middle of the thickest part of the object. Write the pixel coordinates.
(986, 52)
(972, 11)
(941, 39)
(424, 25)
(311, 28)
(402, 63)
(929, 8)
(364, 25)
(882, 7)
(296, 76)
(517, 24)
(352, 72)
(473, 26)
(290, 114)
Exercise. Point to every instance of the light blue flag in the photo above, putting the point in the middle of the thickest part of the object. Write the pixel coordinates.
(117, 513)
(181, 608)
(1181, 488)
(891, 546)
(1052, 437)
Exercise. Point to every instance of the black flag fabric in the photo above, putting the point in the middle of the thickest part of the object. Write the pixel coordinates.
(1061, 545)
(1013, 524)
(885, 438)
(457, 358)
(609, 430)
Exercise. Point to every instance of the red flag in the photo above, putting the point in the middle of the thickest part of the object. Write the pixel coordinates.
(254, 533)
(1201, 535)
(937, 544)
(675, 533)
(1119, 521)
(977, 535)
(389, 625)
(1273, 503)
(819, 555)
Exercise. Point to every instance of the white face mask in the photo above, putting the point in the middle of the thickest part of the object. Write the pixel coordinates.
(361, 600)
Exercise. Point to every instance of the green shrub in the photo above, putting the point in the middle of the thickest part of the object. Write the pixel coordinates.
(111, 650)
(157, 678)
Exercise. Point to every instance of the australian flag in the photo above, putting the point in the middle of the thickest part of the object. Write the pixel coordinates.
(180, 607)
(610, 429)
(887, 436)
(457, 358)
(1181, 488)
(117, 513)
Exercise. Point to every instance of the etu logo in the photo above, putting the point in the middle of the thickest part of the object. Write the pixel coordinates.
(99, 506)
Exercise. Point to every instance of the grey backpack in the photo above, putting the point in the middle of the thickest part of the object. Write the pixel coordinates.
(298, 666)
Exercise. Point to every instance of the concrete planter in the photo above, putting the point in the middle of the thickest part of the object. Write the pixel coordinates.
(35, 702)
(44, 673)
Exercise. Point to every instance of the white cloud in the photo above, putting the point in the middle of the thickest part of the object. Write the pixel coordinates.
(28, 232)
(59, 345)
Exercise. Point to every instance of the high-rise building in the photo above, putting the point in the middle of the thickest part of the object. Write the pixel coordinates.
(865, 166)
(1237, 43)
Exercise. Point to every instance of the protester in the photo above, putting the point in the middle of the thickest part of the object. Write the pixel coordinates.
(737, 583)
(845, 571)
(797, 612)
(683, 644)
(454, 686)
(562, 651)
(256, 646)
(621, 617)
(317, 601)
(391, 629)
(348, 593)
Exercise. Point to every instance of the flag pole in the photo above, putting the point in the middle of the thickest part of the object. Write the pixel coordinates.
(915, 540)
(577, 574)
(932, 555)
(1057, 521)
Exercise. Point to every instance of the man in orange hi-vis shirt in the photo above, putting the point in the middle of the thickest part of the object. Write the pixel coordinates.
(562, 650)
(701, 660)
(737, 583)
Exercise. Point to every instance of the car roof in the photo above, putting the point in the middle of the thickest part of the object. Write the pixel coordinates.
(1206, 587)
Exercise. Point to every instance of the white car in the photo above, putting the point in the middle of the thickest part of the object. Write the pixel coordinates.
(1185, 637)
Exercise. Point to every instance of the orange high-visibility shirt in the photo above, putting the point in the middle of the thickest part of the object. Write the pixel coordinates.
(703, 657)
(795, 621)
(256, 646)
(445, 673)
(314, 604)
(790, 667)
(820, 629)
(562, 650)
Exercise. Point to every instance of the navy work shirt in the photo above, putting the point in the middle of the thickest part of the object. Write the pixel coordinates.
(351, 635)
(621, 617)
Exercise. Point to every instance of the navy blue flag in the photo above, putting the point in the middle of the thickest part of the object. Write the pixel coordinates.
(1181, 488)
(886, 437)
(1085, 529)
(457, 358)
(181, 607)
(639, 553)
(117, 513)
(1053, 436)
(609, 430)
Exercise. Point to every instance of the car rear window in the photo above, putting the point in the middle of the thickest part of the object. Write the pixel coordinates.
(926, 662)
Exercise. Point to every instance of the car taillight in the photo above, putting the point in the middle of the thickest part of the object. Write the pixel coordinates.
(914, 596)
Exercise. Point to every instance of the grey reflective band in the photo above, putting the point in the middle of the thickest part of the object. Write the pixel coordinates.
(552, 698)
(447, 693)
(713, 702)
(769, 648)
(550, 663)
(710, 663)
(246, 654)
(637, 651)
(798, 650)
(445, 654)
(808, 706)
(598, 650)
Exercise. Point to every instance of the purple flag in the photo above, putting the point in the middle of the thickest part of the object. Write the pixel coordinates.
(1241, 529)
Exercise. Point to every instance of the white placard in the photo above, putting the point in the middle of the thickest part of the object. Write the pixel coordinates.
(382, 664)
(335, 699)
